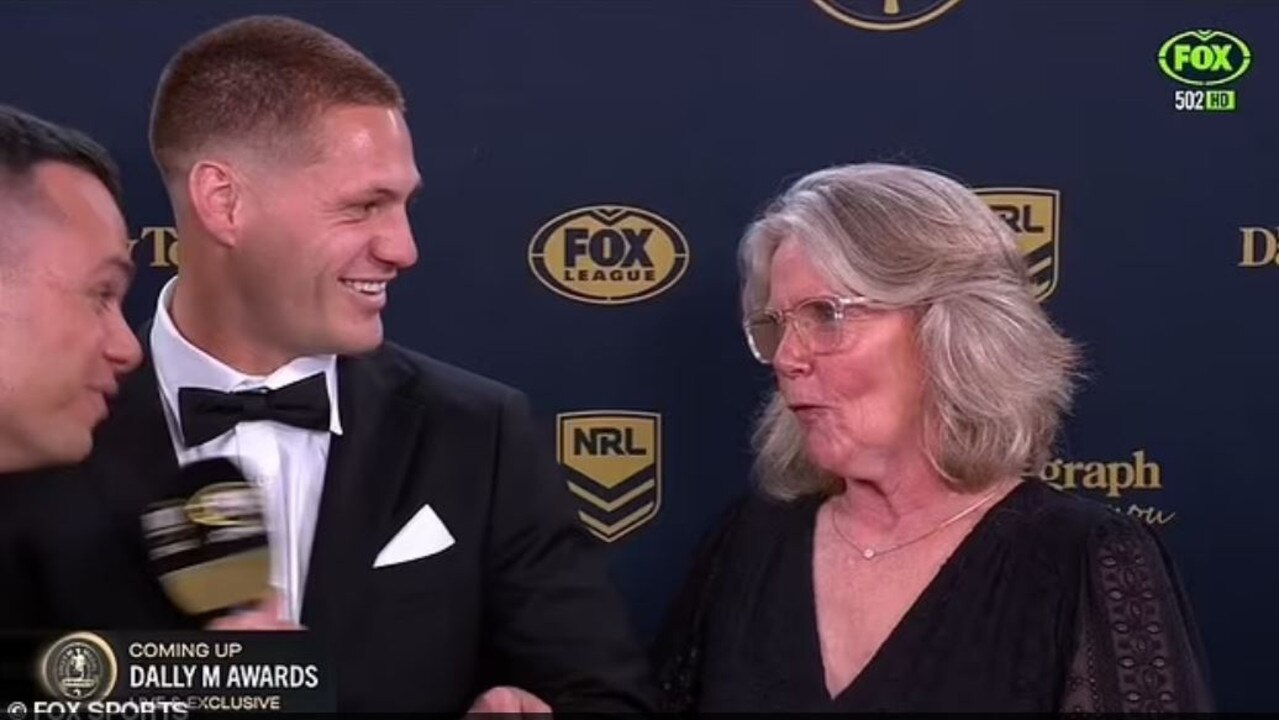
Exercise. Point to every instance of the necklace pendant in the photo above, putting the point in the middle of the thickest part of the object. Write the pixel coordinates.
(868, 553)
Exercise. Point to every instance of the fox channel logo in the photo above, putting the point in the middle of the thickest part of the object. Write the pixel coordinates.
(1205, 60)
(613, 463)
(885, 15)
(1033, 214)
(608, 254)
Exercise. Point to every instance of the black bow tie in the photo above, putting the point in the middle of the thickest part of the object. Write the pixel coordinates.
(206, 414)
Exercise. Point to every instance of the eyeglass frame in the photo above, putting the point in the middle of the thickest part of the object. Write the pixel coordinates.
(783, 317)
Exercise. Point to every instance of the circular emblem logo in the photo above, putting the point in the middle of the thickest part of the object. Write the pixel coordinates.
(608, 254)
(80, 666)
(885, 14)
(1203, 58)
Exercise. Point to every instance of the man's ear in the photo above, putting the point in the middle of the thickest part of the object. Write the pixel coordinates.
(216, 194)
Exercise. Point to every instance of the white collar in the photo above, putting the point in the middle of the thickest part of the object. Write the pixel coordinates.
(179, 364)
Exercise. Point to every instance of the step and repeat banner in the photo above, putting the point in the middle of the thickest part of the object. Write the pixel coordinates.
(589, 166)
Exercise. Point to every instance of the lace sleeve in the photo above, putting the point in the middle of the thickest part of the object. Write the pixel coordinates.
(677, 652)
(1135, 645)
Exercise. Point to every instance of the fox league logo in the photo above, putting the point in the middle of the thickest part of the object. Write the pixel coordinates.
(608, 254)
(612, 463)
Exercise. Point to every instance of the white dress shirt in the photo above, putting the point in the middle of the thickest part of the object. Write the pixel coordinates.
(287, 463)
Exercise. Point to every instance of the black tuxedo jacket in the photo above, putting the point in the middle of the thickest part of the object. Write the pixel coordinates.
(521, 598)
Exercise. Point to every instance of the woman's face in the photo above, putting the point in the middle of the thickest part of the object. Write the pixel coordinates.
(859, 403)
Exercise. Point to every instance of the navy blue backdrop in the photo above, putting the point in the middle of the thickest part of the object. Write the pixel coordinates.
(1152, 228)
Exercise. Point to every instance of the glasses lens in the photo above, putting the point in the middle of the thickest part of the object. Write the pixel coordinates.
(765, 335)
(820, 322)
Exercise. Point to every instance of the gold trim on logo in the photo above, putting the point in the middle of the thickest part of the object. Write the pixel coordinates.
(596, 511)
(540, 264)
(606, 506)
(842, 15)
(1042, 291)
(609, 533)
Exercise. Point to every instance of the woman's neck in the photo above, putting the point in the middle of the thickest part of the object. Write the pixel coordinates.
(906, 499)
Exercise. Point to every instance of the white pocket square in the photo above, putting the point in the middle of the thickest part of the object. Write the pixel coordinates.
(420, 537)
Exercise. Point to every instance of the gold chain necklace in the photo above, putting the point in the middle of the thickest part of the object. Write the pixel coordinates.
(871, 553)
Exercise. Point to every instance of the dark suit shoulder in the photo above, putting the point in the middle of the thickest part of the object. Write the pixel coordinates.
(415, 376)
(47, 485)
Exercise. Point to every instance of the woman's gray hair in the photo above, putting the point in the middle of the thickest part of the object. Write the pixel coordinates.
(998, 375)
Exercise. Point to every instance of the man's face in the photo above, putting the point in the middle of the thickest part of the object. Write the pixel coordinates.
(64, 342)
(322, 239)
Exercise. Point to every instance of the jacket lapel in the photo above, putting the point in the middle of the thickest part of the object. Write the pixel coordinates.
(366, 475)
(134, 463)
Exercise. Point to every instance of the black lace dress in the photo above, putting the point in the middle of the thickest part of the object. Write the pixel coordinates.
(1052, 603)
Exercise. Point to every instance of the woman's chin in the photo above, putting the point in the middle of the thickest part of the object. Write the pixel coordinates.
(837, 461)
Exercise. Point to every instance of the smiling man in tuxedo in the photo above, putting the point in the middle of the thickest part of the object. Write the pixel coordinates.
(414, 525)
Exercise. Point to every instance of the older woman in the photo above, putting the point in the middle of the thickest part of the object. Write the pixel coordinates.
(895, 559)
